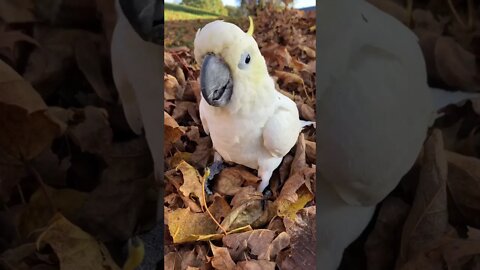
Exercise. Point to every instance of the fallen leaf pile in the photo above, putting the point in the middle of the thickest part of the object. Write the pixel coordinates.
(235, 227)
(75, 183)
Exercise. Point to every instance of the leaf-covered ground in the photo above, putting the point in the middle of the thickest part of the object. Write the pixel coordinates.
(75, 183)
(235, 228)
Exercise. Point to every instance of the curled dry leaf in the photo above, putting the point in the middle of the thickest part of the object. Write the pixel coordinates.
(192, 182)
(299, 160)
(296, 193)
(428, 219)
(464, 186)
(123, 185)
(289, 78)
(39, 210)
(243, 215)
(243, 245)
(456, 66)
(28, 127)
(382, 244)
(255, 265)
(302, 231)
(75, 248)
(231, 179)
(17, 11)
(93, 134)
(221, 258)
(172, 132)
(171, 86)
(186, 226)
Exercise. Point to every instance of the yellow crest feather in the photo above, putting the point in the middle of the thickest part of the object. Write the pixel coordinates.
(250, 28)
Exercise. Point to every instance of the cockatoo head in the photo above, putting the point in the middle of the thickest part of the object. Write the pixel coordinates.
(230, 60)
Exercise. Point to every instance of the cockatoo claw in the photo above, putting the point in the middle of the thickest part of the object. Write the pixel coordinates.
(267, 194)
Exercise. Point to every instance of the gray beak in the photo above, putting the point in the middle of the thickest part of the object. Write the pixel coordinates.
(216, 81)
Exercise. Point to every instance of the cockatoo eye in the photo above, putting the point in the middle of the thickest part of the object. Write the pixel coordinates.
(244, 60)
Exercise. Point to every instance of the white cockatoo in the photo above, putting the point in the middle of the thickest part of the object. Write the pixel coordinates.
(249, 121)
(374, 109)
(137, 59)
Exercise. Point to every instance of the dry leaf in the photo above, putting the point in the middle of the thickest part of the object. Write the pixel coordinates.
(428, 217)
(230, 180)
(186, 226)
(27, 126)
(464, 186)
(382, 243)
(296, 193)
(192, 182)
(221, 258)
(254, 242)
(303, 237)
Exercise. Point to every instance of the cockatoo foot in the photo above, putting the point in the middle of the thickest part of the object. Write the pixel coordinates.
(267, 194)
(216, 167)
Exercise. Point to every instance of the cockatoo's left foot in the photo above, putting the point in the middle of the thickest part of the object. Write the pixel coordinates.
(216, 167)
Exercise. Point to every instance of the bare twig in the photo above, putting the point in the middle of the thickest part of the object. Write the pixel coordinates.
(207, 173)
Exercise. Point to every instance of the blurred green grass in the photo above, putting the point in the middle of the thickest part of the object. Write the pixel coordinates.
(174, 12)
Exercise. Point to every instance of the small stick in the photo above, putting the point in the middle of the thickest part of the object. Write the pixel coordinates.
(207, 173)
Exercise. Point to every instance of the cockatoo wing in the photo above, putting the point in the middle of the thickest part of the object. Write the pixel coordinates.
(375, 104)
(282, 128)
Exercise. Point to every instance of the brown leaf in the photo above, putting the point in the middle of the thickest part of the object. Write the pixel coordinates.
(254, 242)
(296, 193)
(171, 86)
(428, 218)
(382, 243)
(75, 248)
(299, 160)
(255, 265)
(27, 126)
(186, 226)
(172, 132)
(303, 237)
(221, 258)
(219, 208)
(93, 134)
(456, 66)
(192, 182)
(123, 185)
(306, 112)
(17, 11)
(464, 186)
(13, 258)
(309, 51)
(289, 78)
(311, 152)
(231, 179)
(243, 215)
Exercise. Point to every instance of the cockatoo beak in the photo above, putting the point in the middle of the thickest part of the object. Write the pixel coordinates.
(216, 81)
